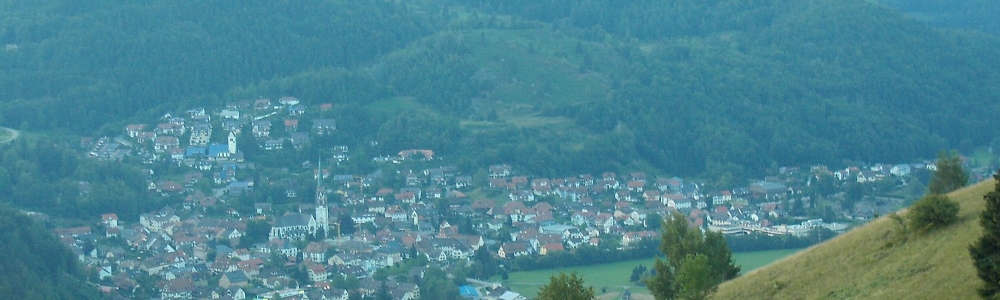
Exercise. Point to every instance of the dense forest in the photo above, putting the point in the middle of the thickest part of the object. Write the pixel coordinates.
(721, 89)
(34, 265)
(45, 175)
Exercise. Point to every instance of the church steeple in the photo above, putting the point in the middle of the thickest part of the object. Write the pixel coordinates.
(231, 141)
(322, 213)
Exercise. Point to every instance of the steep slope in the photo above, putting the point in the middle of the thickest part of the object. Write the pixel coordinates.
(858, 265)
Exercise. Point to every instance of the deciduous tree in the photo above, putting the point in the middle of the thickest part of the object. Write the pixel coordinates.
(950, 174)
(932, 211)
(707, 252)
(694, 278)
(562, 287)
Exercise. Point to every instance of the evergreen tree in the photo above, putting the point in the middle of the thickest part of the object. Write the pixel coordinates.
(986, 251)
(347, 226)
(484, 264)
(562, 287)
(950, 174)
(247, 143)
(684, 245)
(436, 286)
(383, 292)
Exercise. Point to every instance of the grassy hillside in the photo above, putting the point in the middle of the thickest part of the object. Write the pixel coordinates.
(858, 265)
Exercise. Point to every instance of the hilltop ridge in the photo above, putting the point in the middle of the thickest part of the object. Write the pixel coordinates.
(859, 265)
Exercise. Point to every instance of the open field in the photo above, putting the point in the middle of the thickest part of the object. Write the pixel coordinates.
(861, 265)
(614, 277)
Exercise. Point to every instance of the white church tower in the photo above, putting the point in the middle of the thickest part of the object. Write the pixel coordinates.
(322, 213)
(232, 142)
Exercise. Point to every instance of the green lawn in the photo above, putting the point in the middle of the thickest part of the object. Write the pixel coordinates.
(614, 277)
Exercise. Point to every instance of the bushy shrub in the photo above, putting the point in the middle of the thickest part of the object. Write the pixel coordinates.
(932, 211)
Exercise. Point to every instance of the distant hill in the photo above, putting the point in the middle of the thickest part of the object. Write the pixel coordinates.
(721, 90)
(731, 89)
(857, 265)
(34, 265)
(962, 14)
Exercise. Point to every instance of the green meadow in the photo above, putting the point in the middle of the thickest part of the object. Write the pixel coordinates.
(614, 278)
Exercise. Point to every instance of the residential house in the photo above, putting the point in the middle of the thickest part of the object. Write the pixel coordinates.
(296, 110)
(629, 238)
(551, 248)
(109, 220)
(274, 144)
(521, 196)
(200, 134)
(900, 170)
(262, 105)
(767, 188)
(164, 143)
(261, 128)
(867, 176)
(500, 171)
(315, 252)
(316, 272)
(291, 125)
(324, 126)
(230, 114)
(134, 130)
(156, 223)
(178, 288)
(722, 197)
(604, 221)
(463, 181)
(234, 278)
(173, 129)
(514, 249)
(288, 100)
(582, 218)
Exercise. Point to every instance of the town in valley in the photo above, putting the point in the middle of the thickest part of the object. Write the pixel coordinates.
(314, 230)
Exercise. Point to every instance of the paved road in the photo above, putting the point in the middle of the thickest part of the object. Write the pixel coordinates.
(13, 135)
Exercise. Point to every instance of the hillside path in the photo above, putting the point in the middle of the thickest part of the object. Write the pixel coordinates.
(13, 135)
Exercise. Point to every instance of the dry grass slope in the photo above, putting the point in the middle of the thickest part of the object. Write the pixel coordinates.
(858, 265)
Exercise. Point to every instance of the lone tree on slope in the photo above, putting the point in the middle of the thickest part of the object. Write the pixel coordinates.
(696, 262)
(949, 176)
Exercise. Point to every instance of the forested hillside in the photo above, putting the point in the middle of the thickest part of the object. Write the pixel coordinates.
(107, 60)
(46, 175)
(963, 14)
(720, 89)
(34, 265)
